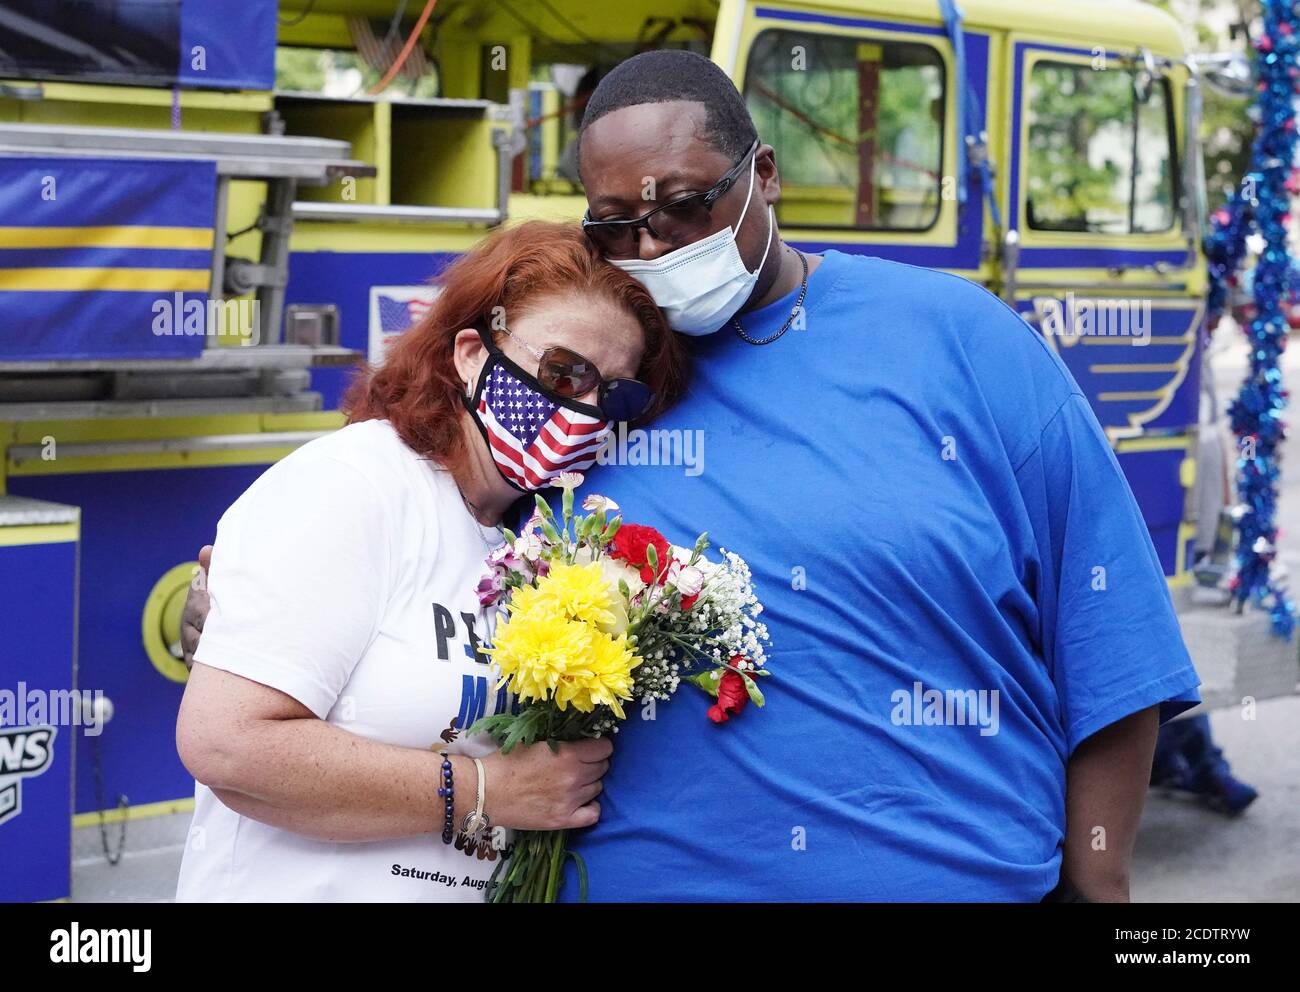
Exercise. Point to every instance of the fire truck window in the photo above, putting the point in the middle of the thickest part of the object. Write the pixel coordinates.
(857, 126)
(91, 40)
(1100, 159)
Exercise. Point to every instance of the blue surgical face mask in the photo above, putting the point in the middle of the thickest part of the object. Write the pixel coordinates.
(701, 286)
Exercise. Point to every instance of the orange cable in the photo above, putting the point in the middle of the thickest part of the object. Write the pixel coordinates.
(409, 47)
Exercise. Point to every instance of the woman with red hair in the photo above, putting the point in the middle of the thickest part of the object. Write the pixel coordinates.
(342, 652)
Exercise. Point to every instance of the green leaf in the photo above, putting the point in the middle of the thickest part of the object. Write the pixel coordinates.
(523, 728)
(512, 738)
(495, 882)
(751, 687)
(494, 725)
(510, 536)
(582, 874)
(707, 681)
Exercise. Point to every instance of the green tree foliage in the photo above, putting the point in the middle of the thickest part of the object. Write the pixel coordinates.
(1227, 132)
(300, 69)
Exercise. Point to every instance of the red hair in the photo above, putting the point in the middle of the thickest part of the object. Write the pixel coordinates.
(417, 387)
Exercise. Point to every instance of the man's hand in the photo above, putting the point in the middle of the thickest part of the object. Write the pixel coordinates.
(196, 609)
(1106, 786)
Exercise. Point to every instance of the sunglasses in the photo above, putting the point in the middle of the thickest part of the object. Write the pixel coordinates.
(676, 223)
(567, 374)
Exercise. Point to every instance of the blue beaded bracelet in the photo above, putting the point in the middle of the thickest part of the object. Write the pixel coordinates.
(447, 792)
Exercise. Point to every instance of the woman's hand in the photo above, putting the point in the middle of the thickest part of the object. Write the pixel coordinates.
(196, 608)
(535, 788)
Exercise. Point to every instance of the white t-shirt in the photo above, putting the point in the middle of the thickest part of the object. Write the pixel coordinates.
(345, 577)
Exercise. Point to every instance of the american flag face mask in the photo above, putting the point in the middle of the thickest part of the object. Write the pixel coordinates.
(533, 435)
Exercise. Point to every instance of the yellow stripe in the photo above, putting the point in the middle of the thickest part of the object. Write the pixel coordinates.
(1181, 576)
(39, 534)
(1169, 367)
(123, 103)
(125, 280)
(1154, 443)
(106, 237)
(322, 420)
(147, 462)
(132, 429)
(1098, 339)
(1121, 397)
(141, 812)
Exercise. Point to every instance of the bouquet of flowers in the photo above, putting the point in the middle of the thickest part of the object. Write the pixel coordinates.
(598, 613)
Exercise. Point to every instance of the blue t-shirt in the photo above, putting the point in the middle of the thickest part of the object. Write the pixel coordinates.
(928, 506)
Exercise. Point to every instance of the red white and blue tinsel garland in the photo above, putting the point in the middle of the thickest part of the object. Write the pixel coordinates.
(1262, 202)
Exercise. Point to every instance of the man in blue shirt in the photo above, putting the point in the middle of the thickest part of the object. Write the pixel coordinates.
(972, 638)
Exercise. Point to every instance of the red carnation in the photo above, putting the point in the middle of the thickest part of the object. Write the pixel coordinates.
(689, 601)
(630, 544)
(732, 695)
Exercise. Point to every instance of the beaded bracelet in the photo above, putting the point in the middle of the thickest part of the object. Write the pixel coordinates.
(447, 792)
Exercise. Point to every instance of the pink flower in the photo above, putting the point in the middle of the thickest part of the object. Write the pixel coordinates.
(501, 556)
(490, 588)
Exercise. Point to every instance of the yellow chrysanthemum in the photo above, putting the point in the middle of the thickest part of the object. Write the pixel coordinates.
(546, 655)
(580, 592)
(604, 679)
(535, 648)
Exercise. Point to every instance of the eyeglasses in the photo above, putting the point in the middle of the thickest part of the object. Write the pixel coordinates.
(568, 374)
(675, 223)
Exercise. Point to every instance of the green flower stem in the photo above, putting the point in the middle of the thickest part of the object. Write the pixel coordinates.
(520, 883)
(557, 864)
(540, 867)
(501, 892)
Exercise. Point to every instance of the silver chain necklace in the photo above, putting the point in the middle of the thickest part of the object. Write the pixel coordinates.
(474, 512)
(798, 305)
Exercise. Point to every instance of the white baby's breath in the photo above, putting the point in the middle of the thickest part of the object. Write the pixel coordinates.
(720, 625)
